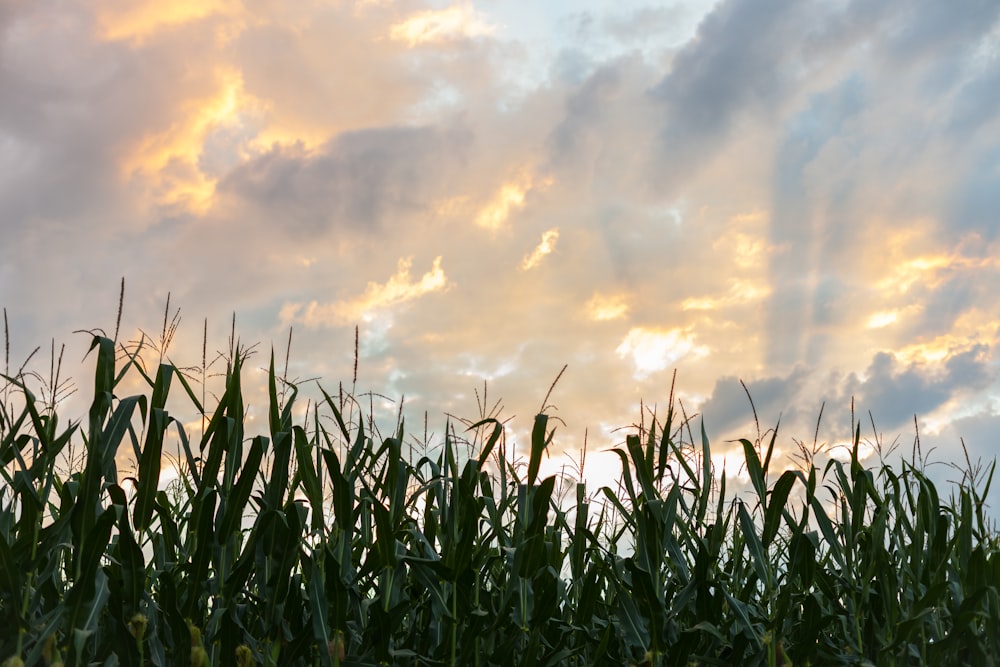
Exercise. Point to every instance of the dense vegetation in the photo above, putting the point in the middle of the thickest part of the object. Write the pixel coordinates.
(325, 543)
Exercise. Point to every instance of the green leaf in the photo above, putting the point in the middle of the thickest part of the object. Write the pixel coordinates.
(539, 441)
(757, 554)
(776, 505)
(754, 470)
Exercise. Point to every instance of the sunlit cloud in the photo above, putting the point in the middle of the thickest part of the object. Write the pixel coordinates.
(972, 328)
(460, 21)
(604, 307)
(930, 270)
(377, 297)
(882, 319)
(740, 291)
(652, 350)
(921, 270)
(170, 161)
(748, 251)
(494, 214)
(510, 197)
(886, 318)
(136, 20)
(545, 247)
(743, 241)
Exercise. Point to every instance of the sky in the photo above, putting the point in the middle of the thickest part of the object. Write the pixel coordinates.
(800, 196)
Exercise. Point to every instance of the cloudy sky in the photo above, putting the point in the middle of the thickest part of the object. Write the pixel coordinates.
(802, 196)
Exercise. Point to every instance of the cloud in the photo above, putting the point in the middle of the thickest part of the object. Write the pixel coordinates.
(738, 292)
(510, 197)
(974, 204)
(801, 198)
(544, 247)
(929, 28)
(895, 394)
(137, 21)
(360, 180)
(976, 434)
(180, 164)
(654, 350)
(399, 289)
(603, 307)
(459, 21)
(650, 22)
(739, 62)
(728, 407)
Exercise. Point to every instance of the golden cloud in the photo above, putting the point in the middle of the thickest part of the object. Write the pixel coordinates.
(740, 291)
(908, 265)
(972, 328)
(168, 160)
(136, 20)
(602, 307)
(460, 21)
(399, 289)
(511, 196)
(545, 247)
(743, 242)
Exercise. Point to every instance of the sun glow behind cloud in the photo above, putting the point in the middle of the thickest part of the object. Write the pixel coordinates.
(652, 350)
(882, 319)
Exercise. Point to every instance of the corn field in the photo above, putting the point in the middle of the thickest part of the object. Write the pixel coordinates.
(321, 542)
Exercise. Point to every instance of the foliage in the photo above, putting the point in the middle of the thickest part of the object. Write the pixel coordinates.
(321, 543)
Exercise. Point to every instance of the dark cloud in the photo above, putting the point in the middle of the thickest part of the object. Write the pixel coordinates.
(905, 35)
(977, 435)
(737, 63)
(925, 28)
(359, 180)
(976, 201)
(91, 119)
(728, 408)
(53, 144)
(586, 113)
(894, 395)
(977, 104)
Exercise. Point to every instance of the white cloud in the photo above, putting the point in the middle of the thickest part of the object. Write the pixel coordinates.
(652, 350)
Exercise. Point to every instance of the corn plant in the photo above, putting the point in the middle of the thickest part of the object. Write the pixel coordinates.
(325, 543)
